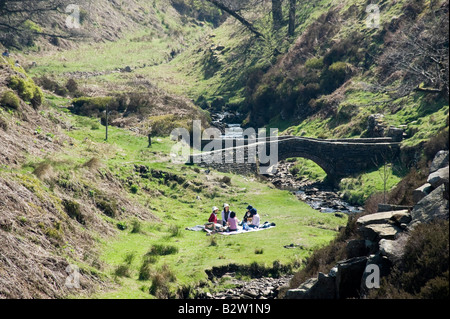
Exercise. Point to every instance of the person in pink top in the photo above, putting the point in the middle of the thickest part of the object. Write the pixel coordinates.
(232, 222)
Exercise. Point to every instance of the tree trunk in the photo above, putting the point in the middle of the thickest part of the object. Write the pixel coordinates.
(277, 13)
(238, 17)
(292, 12)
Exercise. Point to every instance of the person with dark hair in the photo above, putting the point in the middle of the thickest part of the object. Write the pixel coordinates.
(232, 222)
(255, 220)
(226, 213)
(6, 54)
(249, 214)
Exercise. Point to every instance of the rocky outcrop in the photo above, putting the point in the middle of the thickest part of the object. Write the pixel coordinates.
(383, 236)
(439, 161)
(322, 287)
(431, 207)
(432, 197)
(385, 225)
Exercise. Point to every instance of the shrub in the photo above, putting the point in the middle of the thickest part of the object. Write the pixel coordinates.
(160, 282)
(129, 257)
(136, 227)
(314, 63)
(72, 209)
(426, 255)
(72, 86)
(145, 272)
(226, 180)
(424, 268)
(162, 250)
(10, 100)
(134, 189)
(27, 90)
(109, 208)
(334, 76)
(122, 270)
(122, 225)
(163, 125)
(92, 106)
(259, 251)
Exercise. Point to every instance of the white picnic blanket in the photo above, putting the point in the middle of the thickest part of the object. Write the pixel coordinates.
(242, 231)
(239, 231)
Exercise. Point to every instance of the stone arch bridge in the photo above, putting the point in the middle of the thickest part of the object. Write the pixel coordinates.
(339, 158)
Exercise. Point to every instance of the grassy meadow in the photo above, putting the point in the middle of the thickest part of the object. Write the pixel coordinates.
(145, 249)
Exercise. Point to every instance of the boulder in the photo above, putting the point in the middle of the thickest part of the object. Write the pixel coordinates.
(348, 277)
(438, 177)
(431, 207)
(392, 249)
(379, 218)
(439, 161)
(421, 192)
(389, 207)
(322, 287)
(376, 232)
(401, 217)
(302, 291)
(384, 266)
(385, 225)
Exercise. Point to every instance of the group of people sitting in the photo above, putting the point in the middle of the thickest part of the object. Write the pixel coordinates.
(229, 220)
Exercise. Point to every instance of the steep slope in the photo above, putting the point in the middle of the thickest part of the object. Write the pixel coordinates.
(47, 220)
(334, 74)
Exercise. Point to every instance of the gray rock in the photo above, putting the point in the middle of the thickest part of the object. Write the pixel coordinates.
(439, 161)
(421, 192)
(392, 249)
(438, 177)
(431, 207)
(379, 218)
(383, 225)
(389, 207)
(384, 266)
(376, 232)
(348, 277)
(322, 287)
(401, 217)
(301, 292)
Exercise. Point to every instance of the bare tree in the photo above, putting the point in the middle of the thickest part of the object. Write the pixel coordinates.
(420, 50)
(233, 10)
(277, 13)
(15, 13)
(292, 17)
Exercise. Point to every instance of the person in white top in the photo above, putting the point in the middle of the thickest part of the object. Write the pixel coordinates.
(225, 214)
(255, 221)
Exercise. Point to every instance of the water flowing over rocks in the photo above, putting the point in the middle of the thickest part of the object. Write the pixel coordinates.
(318, 195)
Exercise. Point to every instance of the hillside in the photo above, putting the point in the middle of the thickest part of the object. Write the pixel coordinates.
(117, 209)
(70, 198)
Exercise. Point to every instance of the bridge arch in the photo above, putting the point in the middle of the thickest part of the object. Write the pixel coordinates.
(327, 167)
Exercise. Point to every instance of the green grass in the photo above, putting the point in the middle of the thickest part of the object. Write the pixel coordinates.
(176, 207)
(357, 190)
